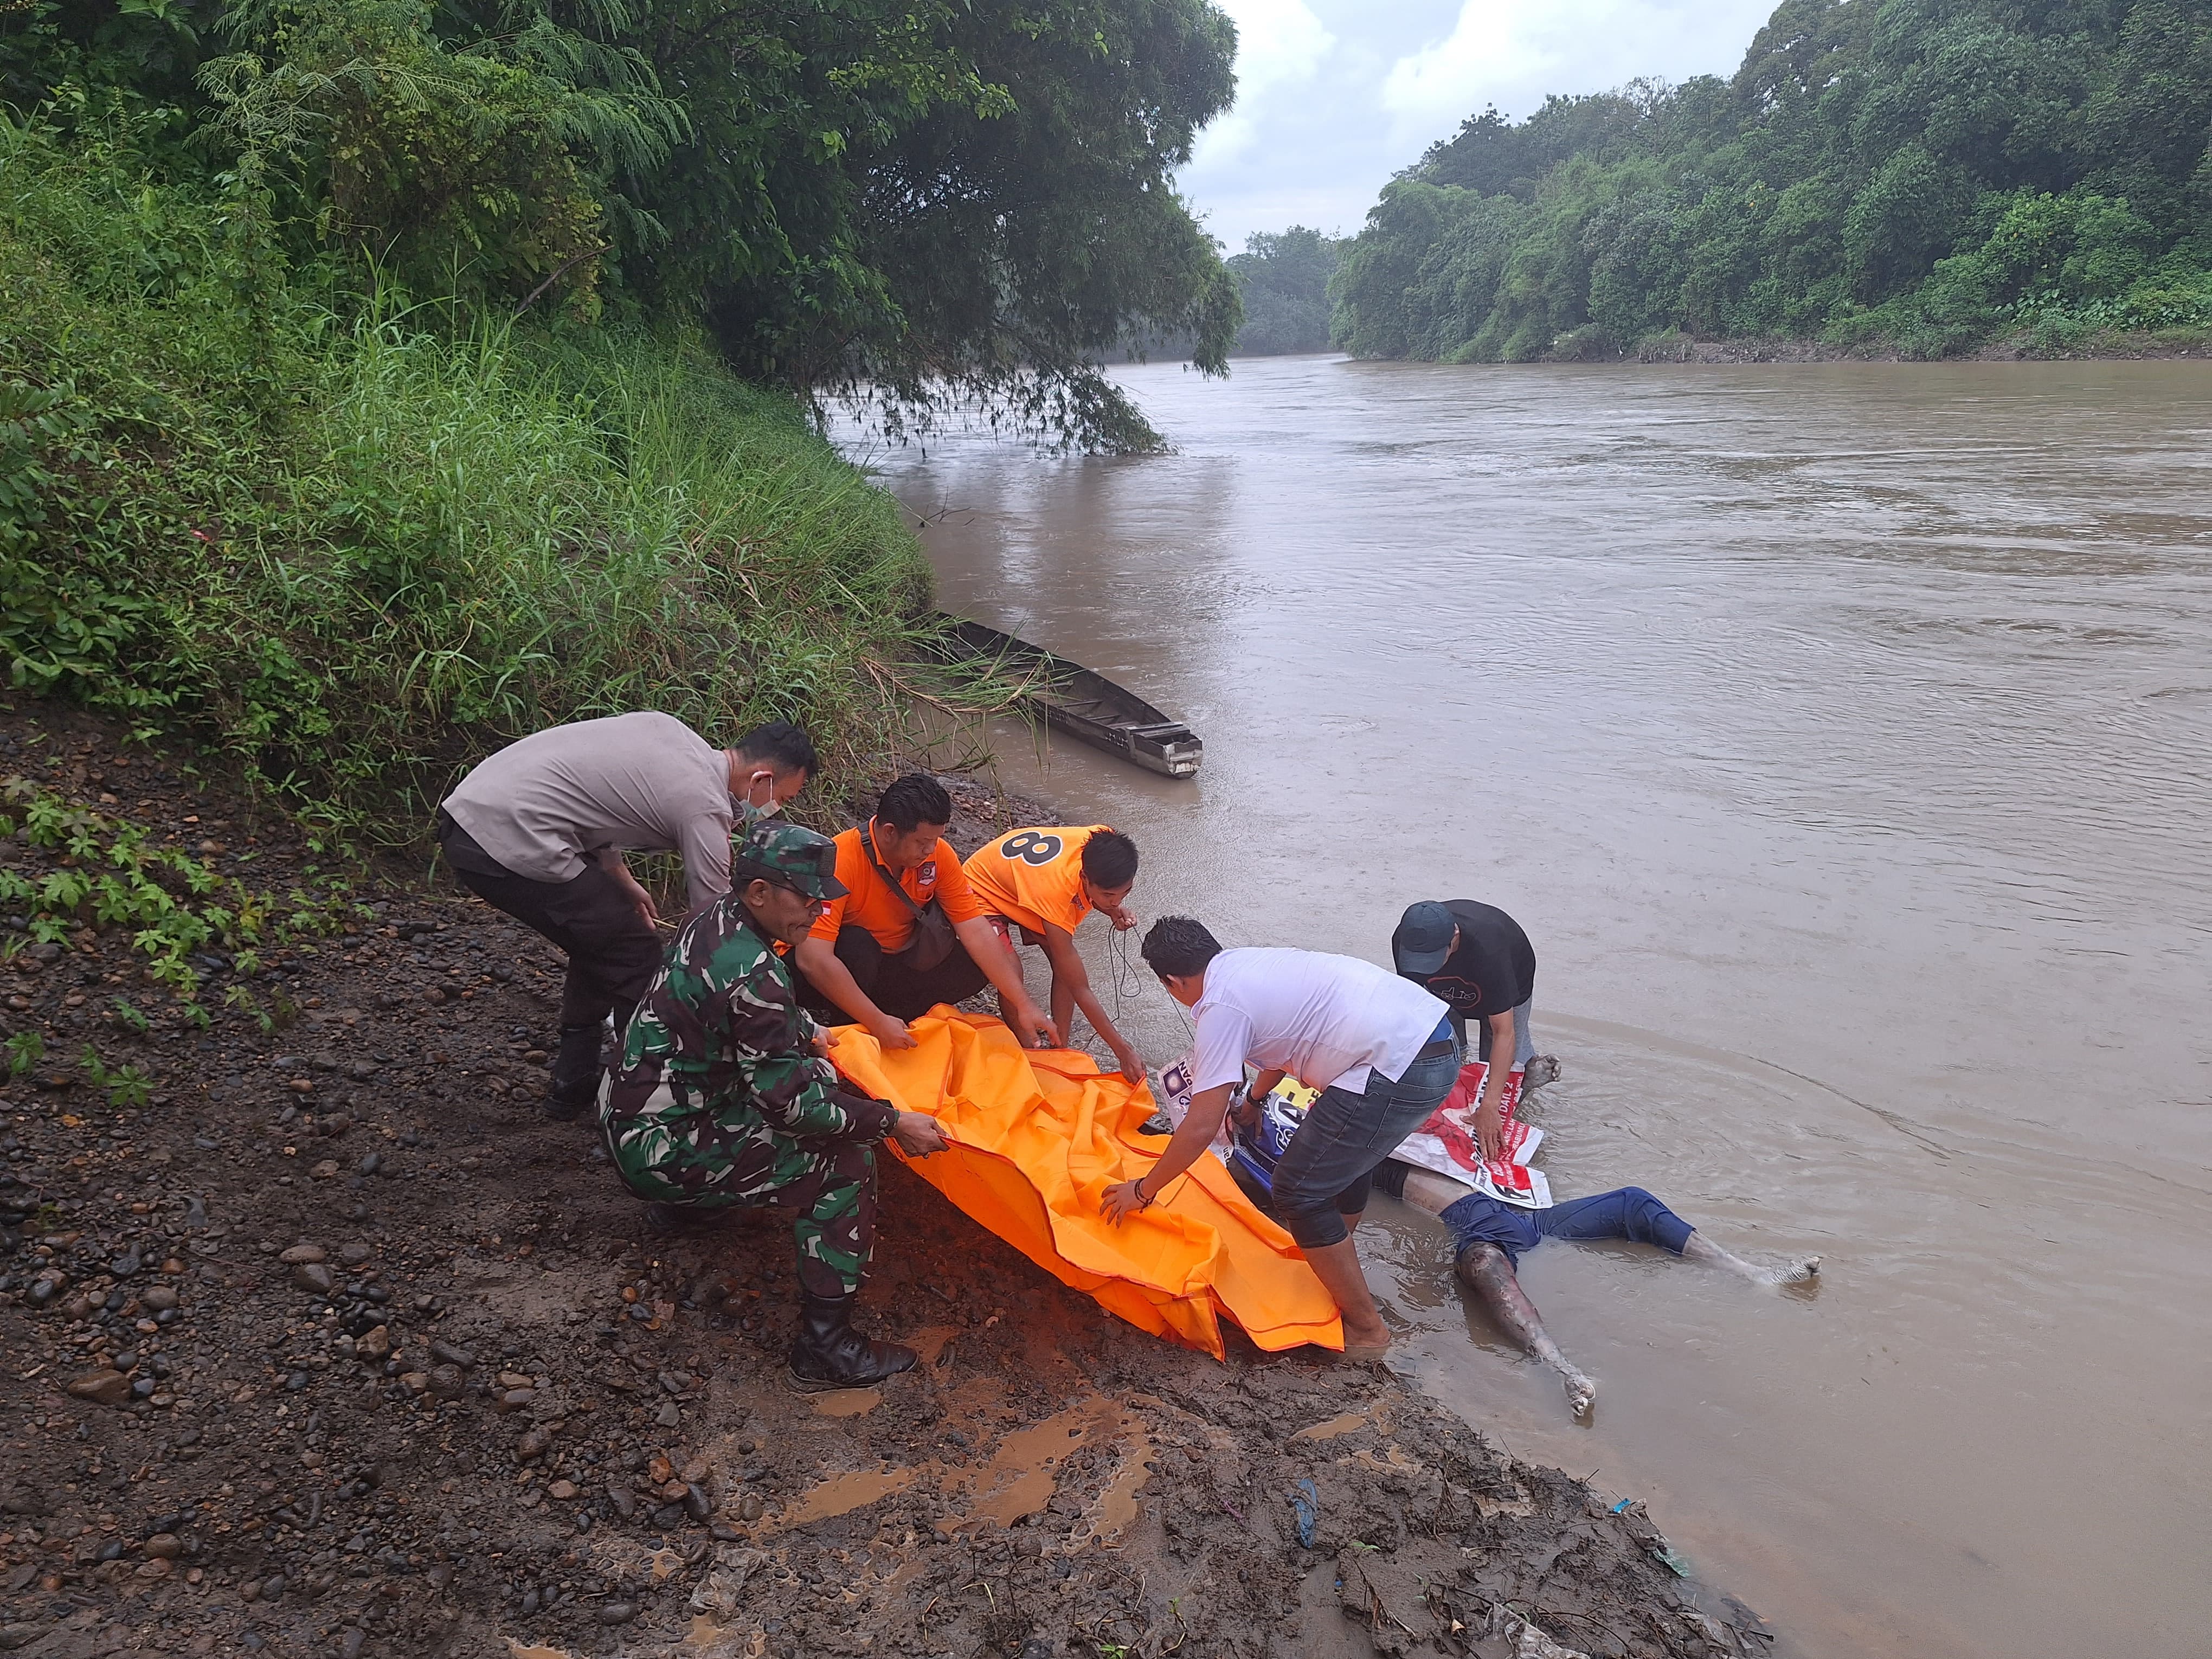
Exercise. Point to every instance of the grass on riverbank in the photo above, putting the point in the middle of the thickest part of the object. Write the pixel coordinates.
(354, 544)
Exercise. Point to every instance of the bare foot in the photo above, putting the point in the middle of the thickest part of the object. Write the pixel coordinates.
(1799, 1272)
(1541, 1070)
(1581, 1393)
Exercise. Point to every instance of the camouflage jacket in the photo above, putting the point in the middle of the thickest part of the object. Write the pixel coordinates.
(721, 1026)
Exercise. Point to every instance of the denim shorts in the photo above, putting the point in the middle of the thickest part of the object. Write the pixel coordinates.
(1325, 1170)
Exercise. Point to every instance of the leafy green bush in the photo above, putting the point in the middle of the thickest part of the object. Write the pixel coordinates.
(357, 544)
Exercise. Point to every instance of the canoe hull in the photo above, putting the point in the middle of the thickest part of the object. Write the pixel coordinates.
(1085, 705)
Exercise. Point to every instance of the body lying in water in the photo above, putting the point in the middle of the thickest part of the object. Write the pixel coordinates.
(1489, 1236)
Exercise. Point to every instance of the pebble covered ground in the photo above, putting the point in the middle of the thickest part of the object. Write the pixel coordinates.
(320, 1339)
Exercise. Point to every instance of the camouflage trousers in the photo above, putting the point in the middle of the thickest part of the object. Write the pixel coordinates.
(699, 1161)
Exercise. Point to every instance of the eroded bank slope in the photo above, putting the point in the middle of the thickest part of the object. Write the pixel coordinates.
(321, 1340)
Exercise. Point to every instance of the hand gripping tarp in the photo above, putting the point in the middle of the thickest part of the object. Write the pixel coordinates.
(1038, 1135)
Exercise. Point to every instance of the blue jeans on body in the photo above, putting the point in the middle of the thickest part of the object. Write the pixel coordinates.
(1626, 1213)
(1326, 1170)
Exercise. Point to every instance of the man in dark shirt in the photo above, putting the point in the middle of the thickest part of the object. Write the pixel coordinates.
(1475, 958)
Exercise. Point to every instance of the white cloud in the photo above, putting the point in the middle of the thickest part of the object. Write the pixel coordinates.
(1334, 96)
(1280, 44)
(1512, 52)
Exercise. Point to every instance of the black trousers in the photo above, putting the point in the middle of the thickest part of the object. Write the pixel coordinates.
(612, 950)
(890, 983)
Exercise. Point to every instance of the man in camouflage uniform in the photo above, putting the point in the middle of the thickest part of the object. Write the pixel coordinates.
(724, 1096)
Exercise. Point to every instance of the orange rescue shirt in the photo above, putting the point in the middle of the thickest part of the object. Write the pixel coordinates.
(1034, 876)
(870, 904)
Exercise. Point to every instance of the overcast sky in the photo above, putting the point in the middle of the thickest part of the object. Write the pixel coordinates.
(1334, 96)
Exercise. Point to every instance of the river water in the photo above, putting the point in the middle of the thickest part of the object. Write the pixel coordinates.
(1840, 735)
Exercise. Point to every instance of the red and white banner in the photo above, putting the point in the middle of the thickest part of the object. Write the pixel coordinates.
(1446, 1143)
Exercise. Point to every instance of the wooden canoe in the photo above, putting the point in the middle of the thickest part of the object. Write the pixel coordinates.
(1073, 699)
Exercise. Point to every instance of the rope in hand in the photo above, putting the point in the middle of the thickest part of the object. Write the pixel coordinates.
(1125, 972)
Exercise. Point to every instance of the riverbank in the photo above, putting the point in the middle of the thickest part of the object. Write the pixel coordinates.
(2105, 343)
(322, 1341)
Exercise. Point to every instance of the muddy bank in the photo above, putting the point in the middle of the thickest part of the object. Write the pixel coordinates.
(2180, 343)
(321, 1340)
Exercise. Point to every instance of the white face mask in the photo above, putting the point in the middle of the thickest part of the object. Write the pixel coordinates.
(756, 814)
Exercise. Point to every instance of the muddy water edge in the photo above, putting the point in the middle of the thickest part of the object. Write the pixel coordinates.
(1838, 731)
(335, 1345)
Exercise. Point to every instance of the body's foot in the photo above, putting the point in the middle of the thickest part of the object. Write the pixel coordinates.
(1797, 1270)
(1802, 1270)
(1159, 1123)
(1541, 1070)
(1581, 1393)
(829, 1353)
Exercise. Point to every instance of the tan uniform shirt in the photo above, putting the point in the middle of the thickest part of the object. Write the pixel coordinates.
(545, 805)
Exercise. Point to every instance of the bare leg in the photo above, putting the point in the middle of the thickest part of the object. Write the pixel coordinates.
(1484, 1269)
(1337, 1266)
(1063, 1009)
(1434, 1193)
(1700, 1248)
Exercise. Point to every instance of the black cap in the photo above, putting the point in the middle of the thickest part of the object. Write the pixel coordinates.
(1423, 939)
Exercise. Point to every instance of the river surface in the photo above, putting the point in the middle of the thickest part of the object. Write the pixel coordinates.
(1842, 735)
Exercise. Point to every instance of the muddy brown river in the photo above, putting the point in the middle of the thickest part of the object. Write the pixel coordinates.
(1842, 735)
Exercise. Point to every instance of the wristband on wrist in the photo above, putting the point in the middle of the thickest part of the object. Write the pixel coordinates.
(1143, 1201)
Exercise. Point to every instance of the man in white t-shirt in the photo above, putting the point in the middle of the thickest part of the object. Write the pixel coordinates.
(1380, 1049)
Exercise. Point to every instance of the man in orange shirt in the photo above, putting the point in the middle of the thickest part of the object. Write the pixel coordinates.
(908, 933)
(1045, 881)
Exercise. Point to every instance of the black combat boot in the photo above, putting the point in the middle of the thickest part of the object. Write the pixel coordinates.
(829, 1353)
(577, 1070)
(662, 1218)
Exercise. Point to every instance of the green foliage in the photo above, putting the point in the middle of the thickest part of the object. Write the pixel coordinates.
(1919, 175)
(921, 203)
(408, 542)
(24, 1050)
(459, 171)
(173, 904)
(1283, 279)
(126, 1085)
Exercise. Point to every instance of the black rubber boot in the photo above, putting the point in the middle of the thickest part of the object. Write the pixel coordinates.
(577, 1070)
(663, 1219)
(829, 1353)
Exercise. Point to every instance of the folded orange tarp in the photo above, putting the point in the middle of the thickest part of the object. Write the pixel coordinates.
(1038, 1135)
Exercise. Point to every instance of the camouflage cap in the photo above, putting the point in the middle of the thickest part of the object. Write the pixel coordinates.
(790, 855)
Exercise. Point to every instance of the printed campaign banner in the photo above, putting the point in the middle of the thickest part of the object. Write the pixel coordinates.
(1446, 1143)
(1173, 1094)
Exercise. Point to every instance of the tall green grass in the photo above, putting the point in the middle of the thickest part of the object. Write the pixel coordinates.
(356, 542)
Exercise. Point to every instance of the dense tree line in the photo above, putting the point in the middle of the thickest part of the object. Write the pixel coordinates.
(1284, 278)
(1926, 174)
(922, 198)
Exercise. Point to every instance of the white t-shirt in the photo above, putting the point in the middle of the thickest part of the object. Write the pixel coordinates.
(1325, 1020)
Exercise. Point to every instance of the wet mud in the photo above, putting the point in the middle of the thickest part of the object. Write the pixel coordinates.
(417, 1383)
